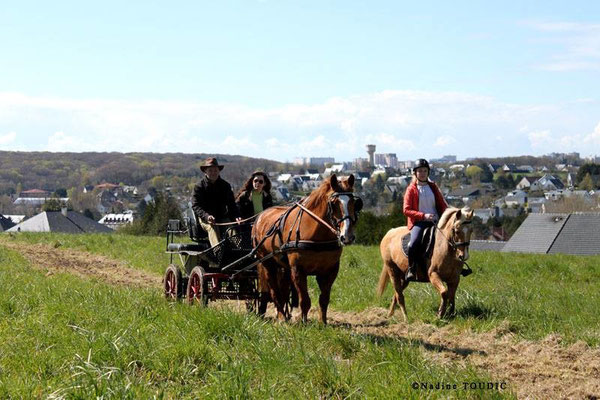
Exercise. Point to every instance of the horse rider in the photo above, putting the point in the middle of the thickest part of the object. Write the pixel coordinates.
(423, 205)
(213, 200)
(255, 196)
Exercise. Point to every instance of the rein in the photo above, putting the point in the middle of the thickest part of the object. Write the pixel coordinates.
(234, 223)
(319, 219)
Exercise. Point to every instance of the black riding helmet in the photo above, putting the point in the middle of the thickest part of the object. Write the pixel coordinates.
(421, 162)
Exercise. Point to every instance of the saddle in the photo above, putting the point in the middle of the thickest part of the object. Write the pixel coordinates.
(425, 247)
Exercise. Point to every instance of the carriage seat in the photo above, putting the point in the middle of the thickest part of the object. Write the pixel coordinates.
(195, 231)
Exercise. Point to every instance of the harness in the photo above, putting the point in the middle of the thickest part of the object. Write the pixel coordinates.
(330, 222)
(278, 228)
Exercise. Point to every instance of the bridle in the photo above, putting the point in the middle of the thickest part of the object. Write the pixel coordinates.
(346, 215)
(456, 244)
(451, 241)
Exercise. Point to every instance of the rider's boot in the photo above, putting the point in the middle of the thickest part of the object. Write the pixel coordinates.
(411, 272)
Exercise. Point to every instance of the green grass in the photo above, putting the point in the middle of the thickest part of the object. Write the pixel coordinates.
(142, 252)
(532, 295)
(63, 337)
(537, 294)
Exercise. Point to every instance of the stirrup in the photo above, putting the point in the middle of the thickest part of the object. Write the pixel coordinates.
(466, 272)
(410, 275)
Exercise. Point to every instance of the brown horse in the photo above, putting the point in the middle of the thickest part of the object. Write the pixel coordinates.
(451, 249)
(306, 243)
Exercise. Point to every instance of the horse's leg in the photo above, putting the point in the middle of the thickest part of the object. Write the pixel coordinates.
(263, 290)
(452, 286)
(271, 273)
(285, 284)
(299, 280)
(436, 281)
(325, 282)
(397, 278)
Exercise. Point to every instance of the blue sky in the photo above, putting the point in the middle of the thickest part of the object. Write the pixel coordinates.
(281, 79)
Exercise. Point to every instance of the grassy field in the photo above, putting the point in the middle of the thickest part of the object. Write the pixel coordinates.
(537, 294)
(64, 337)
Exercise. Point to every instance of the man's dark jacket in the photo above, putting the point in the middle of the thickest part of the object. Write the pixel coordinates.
(214, 199)
(246, 207)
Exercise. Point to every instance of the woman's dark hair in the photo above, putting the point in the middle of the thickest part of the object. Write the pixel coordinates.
(247, 187)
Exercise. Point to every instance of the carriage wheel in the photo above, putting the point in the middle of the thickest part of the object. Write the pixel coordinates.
(172, 283)
(196, 287)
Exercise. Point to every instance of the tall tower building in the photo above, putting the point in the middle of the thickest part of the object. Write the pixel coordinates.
(371, 151)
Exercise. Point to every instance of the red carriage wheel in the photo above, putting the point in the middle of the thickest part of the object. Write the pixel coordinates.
(172, 283)
(196, 288)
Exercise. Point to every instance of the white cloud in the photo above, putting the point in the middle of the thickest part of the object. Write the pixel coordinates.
(546, 142)
(579, 45)
(539, 138)
(8, 138)
(443, 141)
(60, 142)
(409, 123)
(594, 137)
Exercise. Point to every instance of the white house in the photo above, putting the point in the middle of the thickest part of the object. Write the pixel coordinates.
(402, 181)
(114, 221)
(284, 178)
(526, 182)
(525, 168)
(334, 169)
(516, 197)
(536, 204)
(547, 182)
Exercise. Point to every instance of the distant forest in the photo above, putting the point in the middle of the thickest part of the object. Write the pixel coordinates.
(56, 171)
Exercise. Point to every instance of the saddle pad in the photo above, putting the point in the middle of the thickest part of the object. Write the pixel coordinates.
(426, 245)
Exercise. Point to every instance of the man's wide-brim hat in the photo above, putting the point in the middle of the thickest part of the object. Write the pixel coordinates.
(211, 162)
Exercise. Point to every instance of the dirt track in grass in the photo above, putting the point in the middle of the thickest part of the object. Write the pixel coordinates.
(83, 264)
(543, 369)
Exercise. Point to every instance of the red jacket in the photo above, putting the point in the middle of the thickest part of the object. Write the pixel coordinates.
(411, 203)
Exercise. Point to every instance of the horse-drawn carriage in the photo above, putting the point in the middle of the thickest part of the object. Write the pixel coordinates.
(290, 242)
(201, 273)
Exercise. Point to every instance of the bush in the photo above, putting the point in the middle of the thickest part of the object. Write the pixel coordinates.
(371, 228)
(156, 216)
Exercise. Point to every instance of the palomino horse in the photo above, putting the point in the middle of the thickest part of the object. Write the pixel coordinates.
(452, 236)
(306, 239)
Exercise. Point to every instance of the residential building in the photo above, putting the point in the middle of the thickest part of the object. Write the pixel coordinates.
(5, 223)
(547, 182)
(526, 182)
(314, 160)
(334, 169)
(386, 159)
(60, 221)
(465, 195)
(577, 233)
(115, 221)
(515, 198)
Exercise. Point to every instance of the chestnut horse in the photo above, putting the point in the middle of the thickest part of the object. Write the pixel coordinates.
(306, 239)
(451, 249)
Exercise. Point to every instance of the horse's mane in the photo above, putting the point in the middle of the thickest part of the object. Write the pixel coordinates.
(318, 195)
(450, 211)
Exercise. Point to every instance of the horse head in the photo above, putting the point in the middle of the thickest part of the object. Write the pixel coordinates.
(458, 231)
(343, 207)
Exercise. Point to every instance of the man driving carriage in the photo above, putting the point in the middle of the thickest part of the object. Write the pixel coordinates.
(213, 201)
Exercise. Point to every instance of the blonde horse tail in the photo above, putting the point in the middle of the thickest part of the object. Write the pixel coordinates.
(384, 278)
